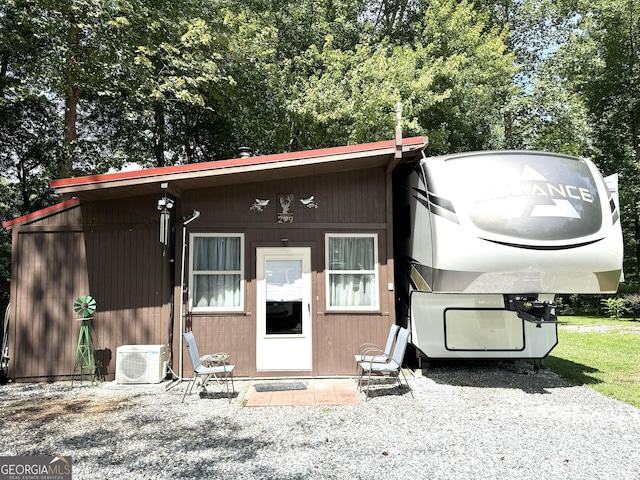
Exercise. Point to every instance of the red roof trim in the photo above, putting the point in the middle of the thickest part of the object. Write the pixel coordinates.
(42, 213)
(220, 164)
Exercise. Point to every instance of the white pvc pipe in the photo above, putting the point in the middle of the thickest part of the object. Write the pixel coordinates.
(195, 214)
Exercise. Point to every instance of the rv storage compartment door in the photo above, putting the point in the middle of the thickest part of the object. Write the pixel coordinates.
(482, 330)
(476, 326)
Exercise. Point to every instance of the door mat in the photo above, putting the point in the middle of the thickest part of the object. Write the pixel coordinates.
(279, 386)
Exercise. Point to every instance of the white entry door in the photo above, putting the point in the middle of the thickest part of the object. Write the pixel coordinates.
(283, 308)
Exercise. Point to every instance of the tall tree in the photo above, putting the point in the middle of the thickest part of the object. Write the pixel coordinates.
(29, 127)
(170, 58)
(69, 64)
(546, 113)
(266, 38)
(453, 79)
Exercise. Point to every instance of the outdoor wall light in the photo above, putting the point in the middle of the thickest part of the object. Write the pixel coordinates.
(165, 203)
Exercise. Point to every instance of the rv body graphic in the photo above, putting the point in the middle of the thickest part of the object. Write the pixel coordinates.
(484, 242)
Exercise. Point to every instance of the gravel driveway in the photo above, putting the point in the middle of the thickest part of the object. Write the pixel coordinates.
(488, 422)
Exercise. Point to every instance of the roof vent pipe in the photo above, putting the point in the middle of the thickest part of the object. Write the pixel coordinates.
(245, 152)
(398, 154)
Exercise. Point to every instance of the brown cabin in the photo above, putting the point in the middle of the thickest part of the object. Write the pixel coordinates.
(283, 261)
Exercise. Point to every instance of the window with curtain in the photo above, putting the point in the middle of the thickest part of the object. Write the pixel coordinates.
(352, 271)
(217, 262)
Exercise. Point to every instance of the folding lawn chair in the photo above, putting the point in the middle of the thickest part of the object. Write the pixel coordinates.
(387, 365)
(221, 372)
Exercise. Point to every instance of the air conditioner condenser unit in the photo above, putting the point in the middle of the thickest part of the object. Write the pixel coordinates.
(140, 364)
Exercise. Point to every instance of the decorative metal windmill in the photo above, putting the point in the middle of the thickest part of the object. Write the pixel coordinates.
(85, 358)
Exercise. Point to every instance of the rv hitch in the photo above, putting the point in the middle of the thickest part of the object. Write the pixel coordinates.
(530, 309)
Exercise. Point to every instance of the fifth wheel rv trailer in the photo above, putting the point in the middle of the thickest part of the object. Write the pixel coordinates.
(485, 240)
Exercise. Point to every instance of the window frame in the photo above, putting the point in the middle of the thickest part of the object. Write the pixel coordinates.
(192, 241)
(375, 272)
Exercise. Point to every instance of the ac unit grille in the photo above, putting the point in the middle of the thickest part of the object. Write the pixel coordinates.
(134, 366)
(140, 364)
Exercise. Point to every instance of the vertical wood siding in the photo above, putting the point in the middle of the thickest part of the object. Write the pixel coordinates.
(111, 251)
(353, 201)
(129, 279)
(50, 274)
(338, 337)
(116, 258)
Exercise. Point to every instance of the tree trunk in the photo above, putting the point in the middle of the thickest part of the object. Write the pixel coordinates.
(70, 132)
(72, 96)
(159, 135)
(4, 65)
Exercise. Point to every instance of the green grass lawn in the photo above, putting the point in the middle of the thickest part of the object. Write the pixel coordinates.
(607, 361)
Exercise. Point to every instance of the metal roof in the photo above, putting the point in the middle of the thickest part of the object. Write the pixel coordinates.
(233, 171)
(58, 207)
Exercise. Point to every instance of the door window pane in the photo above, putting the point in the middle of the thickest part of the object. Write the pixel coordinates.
(284, 318)
(284, 297)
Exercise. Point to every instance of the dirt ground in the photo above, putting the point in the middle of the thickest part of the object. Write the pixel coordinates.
(46, 409)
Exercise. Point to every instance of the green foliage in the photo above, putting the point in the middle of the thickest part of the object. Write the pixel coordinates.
(546, 113)
(625, 305)
(30, 152)
(452, 82)
(631, 303)
(473, 69)
(614, 307)
(7, 212)
(349, 97)
(580, 304)
(5, 256)
(625, 288)
(169, 60)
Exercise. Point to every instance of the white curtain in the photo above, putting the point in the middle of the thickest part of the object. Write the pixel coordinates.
(216, 269)
(352, 281)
